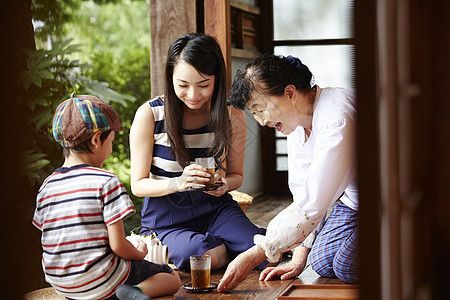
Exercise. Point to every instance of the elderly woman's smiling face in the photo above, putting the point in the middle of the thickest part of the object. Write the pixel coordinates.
(273, 111)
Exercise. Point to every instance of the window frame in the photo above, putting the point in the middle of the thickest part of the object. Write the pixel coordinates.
(276, 181)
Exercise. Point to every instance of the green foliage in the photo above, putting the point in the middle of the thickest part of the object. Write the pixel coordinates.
(116, 43)
(111, 28)
(128, 74)
(99, 47)
(105, 53)
(33, 163)
(53, 15)
(48, 79)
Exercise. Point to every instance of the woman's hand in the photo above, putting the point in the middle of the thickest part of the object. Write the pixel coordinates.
(286, 271)
(240, 267)
(221, 189)
(237, 271)
(290, 269)
(193, 176)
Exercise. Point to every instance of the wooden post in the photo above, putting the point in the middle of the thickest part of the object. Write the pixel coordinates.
(217, 24)
(169, 19)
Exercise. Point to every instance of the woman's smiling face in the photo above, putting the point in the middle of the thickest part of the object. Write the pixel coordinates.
(273, 111)
(191, 87)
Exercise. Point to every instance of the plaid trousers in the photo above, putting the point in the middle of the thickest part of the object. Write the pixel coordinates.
(335, 250)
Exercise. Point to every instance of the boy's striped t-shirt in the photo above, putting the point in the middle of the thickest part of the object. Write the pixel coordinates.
(74, 206)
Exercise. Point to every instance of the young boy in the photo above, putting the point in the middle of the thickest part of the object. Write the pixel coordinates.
(80, 210)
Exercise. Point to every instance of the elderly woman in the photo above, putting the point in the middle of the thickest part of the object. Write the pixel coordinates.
(320, 128)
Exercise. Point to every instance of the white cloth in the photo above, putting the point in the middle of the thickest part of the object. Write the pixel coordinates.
(321, 169)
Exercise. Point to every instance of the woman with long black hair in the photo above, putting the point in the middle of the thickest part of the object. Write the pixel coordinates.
(192, 120)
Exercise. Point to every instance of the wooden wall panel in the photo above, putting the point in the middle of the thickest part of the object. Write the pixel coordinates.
(368, 153)
(412, 49)
(217, 24)
(169, 19)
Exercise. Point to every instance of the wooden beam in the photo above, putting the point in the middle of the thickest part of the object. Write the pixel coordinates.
(169, 19)
(265, 27)
(217, 24)
(245, 7)
(368, 149)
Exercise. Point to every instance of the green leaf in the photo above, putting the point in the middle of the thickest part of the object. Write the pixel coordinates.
(30, 62)
(36, 79)
(45, 64)
(41, 163)
(41, 101)
(63, 47)
(35, 166)
(44, 120)
(85, 66)
(30, 103)
(43, 113)
(31, 174)
(45, 74)
(32, 162)
(26, 81)
(30, 157)
(71, 49)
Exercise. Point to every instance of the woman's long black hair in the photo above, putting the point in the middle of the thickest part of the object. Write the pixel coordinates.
(204, 54)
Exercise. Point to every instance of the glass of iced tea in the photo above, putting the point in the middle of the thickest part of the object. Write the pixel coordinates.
(210, 164)
(200, 271)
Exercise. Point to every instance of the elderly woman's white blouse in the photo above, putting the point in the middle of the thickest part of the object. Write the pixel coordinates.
(321, 169)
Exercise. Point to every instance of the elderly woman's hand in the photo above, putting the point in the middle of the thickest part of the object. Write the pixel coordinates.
(240, 267)
(290, 269)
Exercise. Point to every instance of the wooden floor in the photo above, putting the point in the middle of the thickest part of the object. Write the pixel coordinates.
(260, 212)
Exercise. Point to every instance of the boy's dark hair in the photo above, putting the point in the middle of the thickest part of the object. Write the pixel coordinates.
(85, 146)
